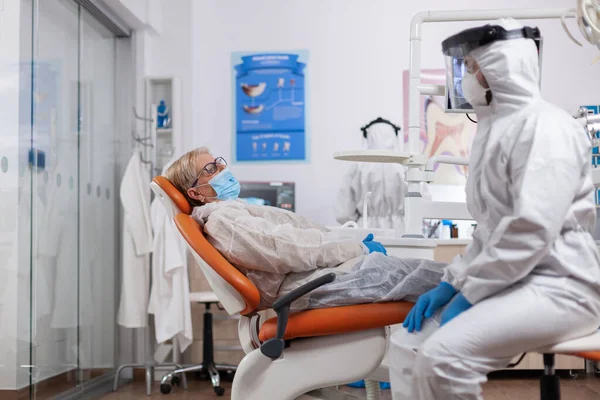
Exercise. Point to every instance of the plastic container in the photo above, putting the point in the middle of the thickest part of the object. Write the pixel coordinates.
(445, 230)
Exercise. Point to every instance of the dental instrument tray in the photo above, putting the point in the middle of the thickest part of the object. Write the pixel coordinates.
(378, 156)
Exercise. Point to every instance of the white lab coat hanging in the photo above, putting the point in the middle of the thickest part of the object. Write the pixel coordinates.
(170, 294)
(137, 245)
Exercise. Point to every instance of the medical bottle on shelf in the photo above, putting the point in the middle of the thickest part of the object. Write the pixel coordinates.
(446, 229)
(162, 118)
(454, 231)
(471, 230)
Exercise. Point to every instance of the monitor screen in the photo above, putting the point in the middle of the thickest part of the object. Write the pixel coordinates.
(275, 194)
(454, 93)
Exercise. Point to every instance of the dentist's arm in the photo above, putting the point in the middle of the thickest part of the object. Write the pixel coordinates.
(544, 182)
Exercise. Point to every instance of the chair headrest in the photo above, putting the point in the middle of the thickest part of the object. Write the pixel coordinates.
(175, 195)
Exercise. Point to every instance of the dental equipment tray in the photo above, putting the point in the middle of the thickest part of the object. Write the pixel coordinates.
(377, 156)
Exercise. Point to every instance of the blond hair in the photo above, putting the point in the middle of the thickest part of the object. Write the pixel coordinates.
(182, 173)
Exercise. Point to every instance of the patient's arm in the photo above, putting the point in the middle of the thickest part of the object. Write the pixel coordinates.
(260, 244)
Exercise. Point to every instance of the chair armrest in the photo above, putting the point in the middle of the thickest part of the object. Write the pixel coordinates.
(273, 348)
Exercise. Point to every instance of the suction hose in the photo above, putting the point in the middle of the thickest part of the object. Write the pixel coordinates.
(373, 390)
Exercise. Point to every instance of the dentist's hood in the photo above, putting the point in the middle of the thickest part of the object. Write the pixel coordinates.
(511, 68)
(382, 137)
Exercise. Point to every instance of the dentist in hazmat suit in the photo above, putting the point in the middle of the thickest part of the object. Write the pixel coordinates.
(531, 276)
(385, 182)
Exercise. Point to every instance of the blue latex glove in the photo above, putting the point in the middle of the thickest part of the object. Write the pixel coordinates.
(427, 304)
(374, 247)
(458, 305)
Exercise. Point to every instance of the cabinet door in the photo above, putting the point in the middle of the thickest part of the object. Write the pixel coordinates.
(446, 253)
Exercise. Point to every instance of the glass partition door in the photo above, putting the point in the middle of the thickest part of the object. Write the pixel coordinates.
(73, 207)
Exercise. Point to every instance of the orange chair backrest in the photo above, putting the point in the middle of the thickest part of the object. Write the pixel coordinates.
(235, 292)
(193, 234)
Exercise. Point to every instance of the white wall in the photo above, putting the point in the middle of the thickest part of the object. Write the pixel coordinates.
(137, 14)
(170, 54)
(358, 50)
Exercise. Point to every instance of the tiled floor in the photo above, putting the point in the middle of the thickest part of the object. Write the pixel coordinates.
(498, 388)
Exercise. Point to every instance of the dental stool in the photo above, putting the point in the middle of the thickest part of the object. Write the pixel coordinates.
(208, 365)
(586, 347)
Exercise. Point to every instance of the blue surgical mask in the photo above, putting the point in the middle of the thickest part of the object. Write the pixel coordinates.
(225, 185)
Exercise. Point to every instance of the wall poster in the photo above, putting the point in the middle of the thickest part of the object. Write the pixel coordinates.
(441, 133)
(270, 106)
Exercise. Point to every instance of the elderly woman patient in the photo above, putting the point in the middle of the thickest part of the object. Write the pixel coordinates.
(279, 250)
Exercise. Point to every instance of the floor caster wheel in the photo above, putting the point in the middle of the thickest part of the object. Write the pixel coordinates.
(228, 375)
(202, 375)
(573, 374)
(175, 380)
(165, 388)
(219, 391)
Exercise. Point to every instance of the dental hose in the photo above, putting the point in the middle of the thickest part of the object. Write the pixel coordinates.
(373, 389)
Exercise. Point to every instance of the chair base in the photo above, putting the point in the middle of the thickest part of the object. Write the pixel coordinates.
(323, 361)
(549, 382)
(150, 368)
(208, 366)
(211, 370)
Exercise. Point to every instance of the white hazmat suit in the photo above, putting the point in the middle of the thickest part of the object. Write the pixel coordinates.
(385, 182)
(280, 251)
(532, 271)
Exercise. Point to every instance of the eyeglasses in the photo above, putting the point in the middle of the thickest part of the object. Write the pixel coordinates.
(210, 168)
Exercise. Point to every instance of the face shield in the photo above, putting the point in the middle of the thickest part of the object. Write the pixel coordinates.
(456, 48)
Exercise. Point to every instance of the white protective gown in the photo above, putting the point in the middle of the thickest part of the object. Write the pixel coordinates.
(280, 251)
(385, 182)
(533, 260)
(137, 244)
(269, 245)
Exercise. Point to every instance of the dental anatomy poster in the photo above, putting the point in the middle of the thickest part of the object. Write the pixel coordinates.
(270, 106)
(441, 133)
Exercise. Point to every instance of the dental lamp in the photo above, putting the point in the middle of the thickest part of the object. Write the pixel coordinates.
(589, 122)
(587, 14)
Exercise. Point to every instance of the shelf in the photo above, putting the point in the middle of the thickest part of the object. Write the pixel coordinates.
(377, 156)
(454, 242)
(407, 242)
(164, 131)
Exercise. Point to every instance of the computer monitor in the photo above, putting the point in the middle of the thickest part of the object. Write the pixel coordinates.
(454, 84)
(275, 194)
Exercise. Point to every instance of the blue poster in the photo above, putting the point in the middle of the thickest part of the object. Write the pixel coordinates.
(595, 152)
(270, 108)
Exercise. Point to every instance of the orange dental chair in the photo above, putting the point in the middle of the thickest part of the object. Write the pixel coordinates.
(291, 355)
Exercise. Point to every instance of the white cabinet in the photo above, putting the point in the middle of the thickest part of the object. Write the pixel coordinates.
(168, 135)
